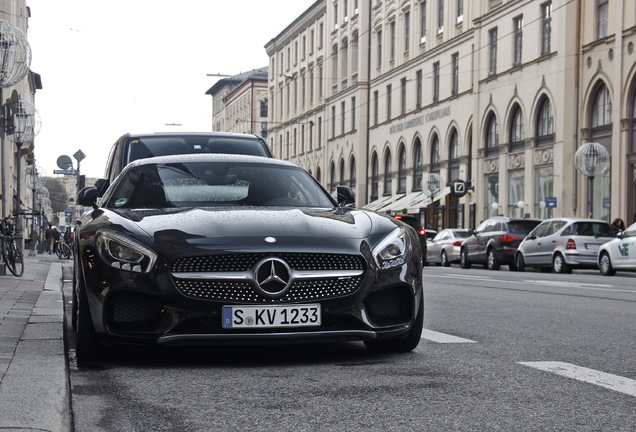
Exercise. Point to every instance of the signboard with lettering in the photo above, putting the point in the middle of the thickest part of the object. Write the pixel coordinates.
(458, 188)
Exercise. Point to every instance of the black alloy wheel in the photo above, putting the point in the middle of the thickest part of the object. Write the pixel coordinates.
(521, 263)
(463, 259)
(492, 263)
(444, 259)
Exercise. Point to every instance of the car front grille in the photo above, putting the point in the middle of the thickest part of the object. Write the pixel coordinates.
(242, 291)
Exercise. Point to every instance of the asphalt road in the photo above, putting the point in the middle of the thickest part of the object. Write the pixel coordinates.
(502, 351)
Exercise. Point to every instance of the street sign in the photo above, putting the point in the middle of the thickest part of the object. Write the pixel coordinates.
(65, 172)
(550, 202)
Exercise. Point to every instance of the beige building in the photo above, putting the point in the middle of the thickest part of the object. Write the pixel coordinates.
(401, 99)
(239, 103)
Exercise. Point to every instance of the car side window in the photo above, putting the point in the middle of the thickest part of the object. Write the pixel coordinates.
(541, 230)
(567, 231)
(630, 231)
(555, 226)
(482, 227)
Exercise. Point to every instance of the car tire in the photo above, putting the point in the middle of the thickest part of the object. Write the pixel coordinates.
(444, 259)
(463, 259)
(404, 343)
(87, 347)
(559, 264)
(520, 262)
(605, 265)
(492, 263)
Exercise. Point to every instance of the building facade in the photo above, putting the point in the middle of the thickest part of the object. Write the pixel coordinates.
(402, 99)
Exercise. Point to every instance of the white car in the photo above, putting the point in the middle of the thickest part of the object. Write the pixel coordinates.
(619, 253)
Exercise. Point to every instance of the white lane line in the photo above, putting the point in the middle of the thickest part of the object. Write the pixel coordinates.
(434, 336)
(609, 381)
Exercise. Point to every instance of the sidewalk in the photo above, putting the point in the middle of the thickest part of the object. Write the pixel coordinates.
(34, 385)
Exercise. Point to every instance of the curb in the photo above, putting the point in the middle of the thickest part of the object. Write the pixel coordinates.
(35, 390)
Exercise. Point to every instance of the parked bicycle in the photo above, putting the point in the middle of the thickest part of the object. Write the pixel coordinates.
(11, 253)
(62, 249)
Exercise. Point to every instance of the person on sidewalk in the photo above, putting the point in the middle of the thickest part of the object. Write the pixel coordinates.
(49, 236)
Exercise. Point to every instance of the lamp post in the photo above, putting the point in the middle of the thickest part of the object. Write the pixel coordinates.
(591, 159)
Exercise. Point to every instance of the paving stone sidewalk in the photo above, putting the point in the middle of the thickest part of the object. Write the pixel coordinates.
(34, 388)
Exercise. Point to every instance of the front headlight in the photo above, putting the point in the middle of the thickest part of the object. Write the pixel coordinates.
(393, 251)
(122, 252)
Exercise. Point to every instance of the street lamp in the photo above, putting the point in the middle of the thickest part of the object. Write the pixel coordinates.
(591, 159)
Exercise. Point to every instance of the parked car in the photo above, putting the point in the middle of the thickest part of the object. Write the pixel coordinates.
(414, 223)
(130, 147)
(444, 248)
(563, 244)
(619, 253)
(495, 242)
(230, 249)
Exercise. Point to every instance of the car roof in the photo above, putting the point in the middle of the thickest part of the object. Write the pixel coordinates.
(510, 219)
(575, 219)
(210, 134)
(211, 157)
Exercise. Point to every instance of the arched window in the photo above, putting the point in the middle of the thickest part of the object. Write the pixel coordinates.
(375, 176)
(600, 120)
(318, 175)
(517, 132)
(332, 177)
(387, 174)
(402, 170)
(602, 108)
(545, 124)
(492, 135)
(342, 172)
(435, 165)
(352, 173)
(453, 156)
(418, 168)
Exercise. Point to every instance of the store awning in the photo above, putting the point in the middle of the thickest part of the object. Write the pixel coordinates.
(381, 202)
(425, 200)
(402, 203)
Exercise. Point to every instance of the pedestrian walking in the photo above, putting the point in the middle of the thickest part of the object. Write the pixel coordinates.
(618, 226)
(49, 236)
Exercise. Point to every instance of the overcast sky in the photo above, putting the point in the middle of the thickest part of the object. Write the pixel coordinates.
(114, 66)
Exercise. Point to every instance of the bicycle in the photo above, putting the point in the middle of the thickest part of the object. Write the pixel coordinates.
(11, 253)
(63, 249)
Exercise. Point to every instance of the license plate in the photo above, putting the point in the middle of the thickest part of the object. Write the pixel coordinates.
(271, 316)
(594, 246)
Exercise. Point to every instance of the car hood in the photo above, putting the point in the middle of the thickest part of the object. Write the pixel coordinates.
(256, 229)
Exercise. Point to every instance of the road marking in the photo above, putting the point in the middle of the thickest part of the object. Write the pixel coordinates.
(434, 336)
(609, 381)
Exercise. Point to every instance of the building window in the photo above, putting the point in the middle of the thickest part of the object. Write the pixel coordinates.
(546, 23)
(418, 167)
(453, 156)
(543, 188)
(379, 48)
(460, 11)
(342, 117)
(517, 133)
(354, 54)
(403, 96)
(388, 102)
(602, 108)
(335, 14)
(601, 17)
(422, 21)
(263, 110)
(436, 82)
(407, 31)
(455, 66)
(375, 107)
(387, 174)
(492, 194)
(418, 90)
(342, 172)
(516, 183)
(352, 173)
(402, 170)
(334, 67)
(492, 65)
(332, 177)
(392, 40)
(545, 124)
(333, 122)
(518, 28)
(353, 113)
(440, 16)
(344, 60)
(435, 157)
(492, 136)
(375, 177)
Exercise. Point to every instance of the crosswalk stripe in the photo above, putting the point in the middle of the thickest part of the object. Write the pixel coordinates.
(609, 381)
(443, 337)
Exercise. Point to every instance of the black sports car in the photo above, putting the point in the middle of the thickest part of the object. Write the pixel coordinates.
(225, 249)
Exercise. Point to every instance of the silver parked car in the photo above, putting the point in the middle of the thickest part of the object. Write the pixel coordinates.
(563, 244)
(445, 246)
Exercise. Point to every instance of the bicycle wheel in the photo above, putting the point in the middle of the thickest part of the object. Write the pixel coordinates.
(65, 251)
(13, 258)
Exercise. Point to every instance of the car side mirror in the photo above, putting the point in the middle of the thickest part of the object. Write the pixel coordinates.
(101, 185)
(346, 196)
(88, 196)
(531, 237)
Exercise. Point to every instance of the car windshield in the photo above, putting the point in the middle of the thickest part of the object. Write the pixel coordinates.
(597, 229)
(203, 184)
(522, 227)
(461, 234)
(150, 146)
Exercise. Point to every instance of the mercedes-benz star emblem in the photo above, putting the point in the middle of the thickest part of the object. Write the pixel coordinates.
(273, 277)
